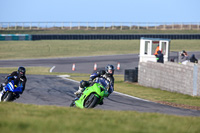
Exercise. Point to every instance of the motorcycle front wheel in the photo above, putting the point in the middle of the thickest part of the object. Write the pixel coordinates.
(91, 101)
(8, 96)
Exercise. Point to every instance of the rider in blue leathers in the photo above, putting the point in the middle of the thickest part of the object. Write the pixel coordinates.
(105, 77)
(19, 79)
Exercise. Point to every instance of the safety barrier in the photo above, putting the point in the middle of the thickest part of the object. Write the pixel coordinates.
(111, 36)
(131, 75)
(9, 37)
(4, 37)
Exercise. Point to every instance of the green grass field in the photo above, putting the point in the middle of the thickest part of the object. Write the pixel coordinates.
(71, 48)
(22, 118)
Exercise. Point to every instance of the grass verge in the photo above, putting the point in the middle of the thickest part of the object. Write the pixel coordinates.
(22, 118)
(75, 48)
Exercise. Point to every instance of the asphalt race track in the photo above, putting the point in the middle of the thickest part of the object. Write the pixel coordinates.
(53, 90)
(83, 64)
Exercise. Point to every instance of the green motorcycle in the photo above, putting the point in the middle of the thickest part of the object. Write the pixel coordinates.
(91, 96)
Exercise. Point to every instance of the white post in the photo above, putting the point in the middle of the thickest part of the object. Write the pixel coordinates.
(38, 26)
(62, 25)
(138, 26)
(46, 25)
(22, 26)
(79, 26)
(15, 26)
(95, 25)
(70, 25)
(164, 26)
(181, 26)
(104, 26)
(130, 26)
(147, 26)
(87, 25)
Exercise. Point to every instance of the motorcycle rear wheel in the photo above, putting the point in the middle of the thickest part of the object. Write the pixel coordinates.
(91, 101)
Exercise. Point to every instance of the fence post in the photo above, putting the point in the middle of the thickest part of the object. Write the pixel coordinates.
(79, 26)
(95, 25)
(15, 26)
(181, 26)
(104, 26)
(70, 25)
(62, 25)
(8, 26)
(147, 25)
(87, 26)
(46, 25)
(30, 26)
(38, 26)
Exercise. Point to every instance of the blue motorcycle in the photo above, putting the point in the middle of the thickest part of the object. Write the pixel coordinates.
(10, 92)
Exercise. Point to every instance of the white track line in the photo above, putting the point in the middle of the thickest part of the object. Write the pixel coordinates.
(65, 77)
(52, 69)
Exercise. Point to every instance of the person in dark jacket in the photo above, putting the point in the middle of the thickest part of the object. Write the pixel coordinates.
(18, 77)
(159, 57)
(193, 59)
(103, 76)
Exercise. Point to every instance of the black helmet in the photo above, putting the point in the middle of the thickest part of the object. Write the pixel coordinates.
(110, 69)
(21, 71)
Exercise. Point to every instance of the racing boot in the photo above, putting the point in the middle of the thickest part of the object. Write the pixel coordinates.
(80, 90)
(101, 103)
(2, 85)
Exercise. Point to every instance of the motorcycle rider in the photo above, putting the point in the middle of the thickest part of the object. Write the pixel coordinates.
(105, 76)
(19, 79)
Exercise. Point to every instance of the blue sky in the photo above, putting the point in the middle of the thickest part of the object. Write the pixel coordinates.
(100, 10)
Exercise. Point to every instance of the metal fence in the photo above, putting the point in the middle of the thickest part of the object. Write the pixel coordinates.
(99, 26)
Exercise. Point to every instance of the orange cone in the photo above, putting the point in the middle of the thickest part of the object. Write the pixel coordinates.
(95, 66)
(73, 67)
(118, 66)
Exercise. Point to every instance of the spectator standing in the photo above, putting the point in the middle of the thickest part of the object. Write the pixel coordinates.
(159, 57)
